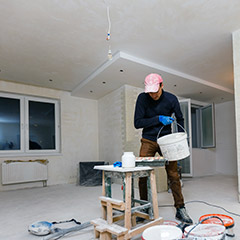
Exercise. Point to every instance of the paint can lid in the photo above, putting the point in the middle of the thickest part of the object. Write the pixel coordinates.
(205, 230)
(227, 220)
(40, 228)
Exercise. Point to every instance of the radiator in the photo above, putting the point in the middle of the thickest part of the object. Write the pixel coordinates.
(24, 171)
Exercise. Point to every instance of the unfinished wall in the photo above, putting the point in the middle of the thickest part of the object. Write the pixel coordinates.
(116, 130)
(236, 62)
(132, 135)
(79, 134)
(111, 126)
(117, 133)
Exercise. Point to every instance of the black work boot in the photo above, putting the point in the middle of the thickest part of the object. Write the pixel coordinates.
(182, 215)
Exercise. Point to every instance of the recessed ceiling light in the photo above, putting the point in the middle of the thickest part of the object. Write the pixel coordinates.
(121, 70)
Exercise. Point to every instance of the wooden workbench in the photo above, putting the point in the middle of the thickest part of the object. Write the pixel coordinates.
(127, 206)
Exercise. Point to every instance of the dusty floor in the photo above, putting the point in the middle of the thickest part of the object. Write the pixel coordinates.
(20, 208)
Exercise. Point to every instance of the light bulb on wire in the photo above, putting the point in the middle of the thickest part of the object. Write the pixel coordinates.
(109, 54)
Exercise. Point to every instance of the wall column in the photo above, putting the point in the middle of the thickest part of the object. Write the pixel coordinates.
(236, 62)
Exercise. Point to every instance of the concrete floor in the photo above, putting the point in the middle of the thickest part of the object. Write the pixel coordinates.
(20, 208)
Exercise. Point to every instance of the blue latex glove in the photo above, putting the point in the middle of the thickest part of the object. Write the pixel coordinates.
(165, 120)
(117, 164)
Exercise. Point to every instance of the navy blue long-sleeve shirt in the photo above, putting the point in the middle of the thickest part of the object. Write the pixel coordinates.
(147, 113)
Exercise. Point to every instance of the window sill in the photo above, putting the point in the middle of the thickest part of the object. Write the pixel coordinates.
(29, 154)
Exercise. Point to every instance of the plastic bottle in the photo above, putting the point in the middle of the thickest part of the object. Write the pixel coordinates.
(128, 160)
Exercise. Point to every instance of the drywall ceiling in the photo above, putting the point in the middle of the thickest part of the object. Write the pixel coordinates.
(62, 45)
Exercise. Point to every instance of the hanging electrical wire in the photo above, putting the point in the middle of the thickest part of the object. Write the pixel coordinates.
(213, 205)
(109, 32)
(109, 24)
(209, 204)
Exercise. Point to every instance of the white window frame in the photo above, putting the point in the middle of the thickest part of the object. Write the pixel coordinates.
(189, 132)
(203, 145)
(24, 127)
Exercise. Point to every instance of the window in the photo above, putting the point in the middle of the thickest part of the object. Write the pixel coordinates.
(207, 126)
(29, 125)
(10, 123)
(200, 127)
(195, 120)
(203, 127)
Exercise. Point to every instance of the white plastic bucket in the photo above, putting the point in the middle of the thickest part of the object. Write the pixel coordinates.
(219, 219)
(205, 231)
(128, 160)
(162, 232)
(174, 146)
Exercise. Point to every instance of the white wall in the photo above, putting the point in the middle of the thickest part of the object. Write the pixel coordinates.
(79, 134)
(221, 159)
(204, 162)
(236, 63)
(226, 153)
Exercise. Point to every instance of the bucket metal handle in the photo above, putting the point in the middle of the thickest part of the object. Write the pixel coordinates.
(166, 125)
(212, 217)
(203, 221)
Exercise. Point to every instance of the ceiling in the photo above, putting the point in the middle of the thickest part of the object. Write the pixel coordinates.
(62, 45)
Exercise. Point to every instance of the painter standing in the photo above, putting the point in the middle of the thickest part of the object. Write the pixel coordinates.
(153, 110)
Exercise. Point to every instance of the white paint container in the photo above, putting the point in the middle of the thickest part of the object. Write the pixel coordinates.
(162, 232)
(128, 160)
(174, 146)
(214, 219)
(205, 231)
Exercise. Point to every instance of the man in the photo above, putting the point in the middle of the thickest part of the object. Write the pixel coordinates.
(154, 109)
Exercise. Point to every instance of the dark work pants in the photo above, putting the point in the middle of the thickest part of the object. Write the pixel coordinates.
(149, 149)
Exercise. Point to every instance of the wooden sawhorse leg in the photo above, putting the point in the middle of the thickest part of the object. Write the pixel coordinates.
(128, 200)
(154, 194)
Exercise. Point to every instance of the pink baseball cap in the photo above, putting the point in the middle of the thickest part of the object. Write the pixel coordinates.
(152, 82)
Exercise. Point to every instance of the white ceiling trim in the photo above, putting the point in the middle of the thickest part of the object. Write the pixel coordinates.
(126, 56)
(174, 72)
(104, 66)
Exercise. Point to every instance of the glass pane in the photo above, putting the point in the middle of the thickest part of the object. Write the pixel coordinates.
(185, 163)
(194, 127)
(207, 127)
(9, 124)
(184, 109)
(41, 125)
